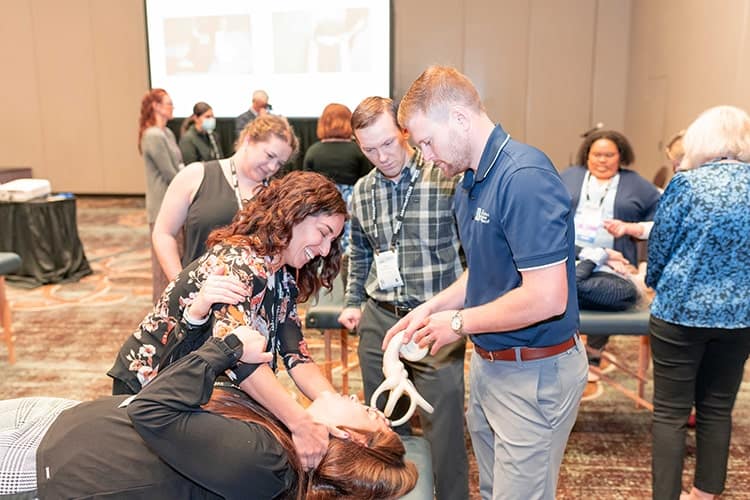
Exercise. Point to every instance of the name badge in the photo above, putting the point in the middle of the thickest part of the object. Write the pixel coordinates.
(386, 267)
(588, 223)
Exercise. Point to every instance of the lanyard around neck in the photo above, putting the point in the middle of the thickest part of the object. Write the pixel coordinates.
(235, 182)
(214, 146)
(606, 189)
(417, 164)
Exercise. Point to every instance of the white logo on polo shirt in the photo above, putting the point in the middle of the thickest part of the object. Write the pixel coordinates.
(482, 216)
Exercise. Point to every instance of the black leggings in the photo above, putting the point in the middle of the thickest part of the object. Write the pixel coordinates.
(701, 366)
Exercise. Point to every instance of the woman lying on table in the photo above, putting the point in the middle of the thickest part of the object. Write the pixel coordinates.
(291, 226)
(606, 281)
(181, 438)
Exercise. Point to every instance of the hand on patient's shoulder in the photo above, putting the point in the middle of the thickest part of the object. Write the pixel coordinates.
(219, 288)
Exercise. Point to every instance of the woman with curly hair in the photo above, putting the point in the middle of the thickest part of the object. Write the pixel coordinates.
(182, 437)
(283, 246)
(610, 202)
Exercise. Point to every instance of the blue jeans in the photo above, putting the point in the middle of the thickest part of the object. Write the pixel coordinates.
(520, 416)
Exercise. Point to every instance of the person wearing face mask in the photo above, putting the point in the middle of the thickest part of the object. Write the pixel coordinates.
(207, 195)
(199, 140)
(283, 247)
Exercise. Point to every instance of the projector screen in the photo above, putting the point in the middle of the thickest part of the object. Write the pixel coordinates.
(304, 53)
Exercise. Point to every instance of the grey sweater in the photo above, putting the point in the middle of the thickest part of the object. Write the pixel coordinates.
(163, 160)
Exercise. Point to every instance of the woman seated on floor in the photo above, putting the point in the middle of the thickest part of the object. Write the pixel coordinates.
(282, 247)
(182, 438)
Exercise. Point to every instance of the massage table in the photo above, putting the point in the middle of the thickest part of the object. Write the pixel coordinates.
(630, 322)
(323, 316)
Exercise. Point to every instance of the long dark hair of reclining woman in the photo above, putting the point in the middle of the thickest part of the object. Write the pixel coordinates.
(181, 438)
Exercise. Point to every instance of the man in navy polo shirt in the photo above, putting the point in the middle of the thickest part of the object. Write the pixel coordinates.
(517, 299)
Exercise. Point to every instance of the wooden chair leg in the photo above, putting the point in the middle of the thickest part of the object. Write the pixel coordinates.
(327, 353)
(344, 361)
(644, 357)
(7, 322)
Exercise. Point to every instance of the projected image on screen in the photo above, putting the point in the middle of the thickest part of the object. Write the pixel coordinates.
(334, 40)
(210, 44)
(304, 53)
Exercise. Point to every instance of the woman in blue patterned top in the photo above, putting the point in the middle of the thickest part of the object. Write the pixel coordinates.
(699, 266)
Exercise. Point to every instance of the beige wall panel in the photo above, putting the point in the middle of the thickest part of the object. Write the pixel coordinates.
(120, 68)
(425, 32)
(697, 51)
(706, 72)
(610, 72)
(21, 129)
(496, 59)
(67, 90)
(741, 91)
(560, 66)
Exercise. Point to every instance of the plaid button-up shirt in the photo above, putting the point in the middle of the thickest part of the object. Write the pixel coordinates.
(427, 244)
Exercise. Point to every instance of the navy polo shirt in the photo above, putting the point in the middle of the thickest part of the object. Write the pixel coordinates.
(514, 215)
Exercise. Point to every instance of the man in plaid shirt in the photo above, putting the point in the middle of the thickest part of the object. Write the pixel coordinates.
(405, 249)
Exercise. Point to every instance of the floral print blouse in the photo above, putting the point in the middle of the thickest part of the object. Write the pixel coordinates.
(165, 336)
(698, 257)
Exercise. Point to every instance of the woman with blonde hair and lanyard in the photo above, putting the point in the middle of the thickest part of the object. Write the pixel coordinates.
(205, 196)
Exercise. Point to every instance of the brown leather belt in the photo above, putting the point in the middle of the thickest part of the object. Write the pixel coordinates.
(392, 308)
(526, 353)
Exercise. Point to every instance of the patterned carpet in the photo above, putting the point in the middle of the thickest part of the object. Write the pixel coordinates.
(67, 336)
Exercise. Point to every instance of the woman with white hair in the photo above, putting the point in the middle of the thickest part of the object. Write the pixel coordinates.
(699, 266)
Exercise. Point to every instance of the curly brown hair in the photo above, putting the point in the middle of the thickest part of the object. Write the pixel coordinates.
(371, 468)
(266, 222)
(627, 156)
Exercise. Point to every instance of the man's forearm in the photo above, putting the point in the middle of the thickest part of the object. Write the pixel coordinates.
(543, 294)
(452, 297)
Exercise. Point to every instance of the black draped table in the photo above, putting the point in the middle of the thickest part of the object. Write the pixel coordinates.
(44, 232)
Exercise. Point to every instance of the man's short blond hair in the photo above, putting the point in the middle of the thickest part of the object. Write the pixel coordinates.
(435, 90)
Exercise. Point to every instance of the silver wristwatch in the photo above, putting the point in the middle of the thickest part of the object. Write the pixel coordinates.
(457, 323)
